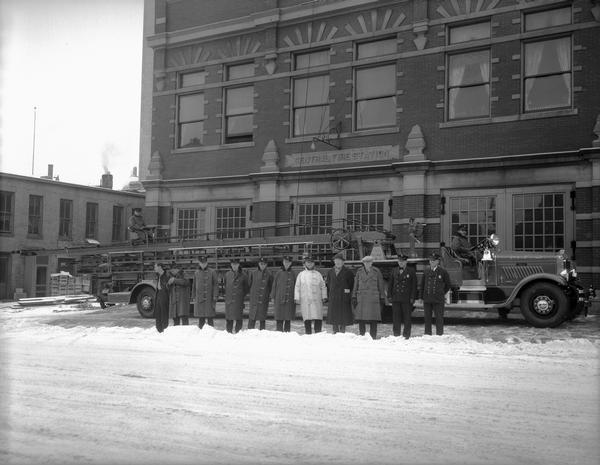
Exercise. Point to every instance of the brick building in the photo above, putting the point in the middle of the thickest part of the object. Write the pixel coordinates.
(274, 112)
(47, 214)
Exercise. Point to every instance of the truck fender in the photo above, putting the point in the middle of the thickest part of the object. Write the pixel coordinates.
(138, 288)
(547, 277)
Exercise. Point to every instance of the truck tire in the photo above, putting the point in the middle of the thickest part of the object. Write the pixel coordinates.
(544, 305)
(145, 302)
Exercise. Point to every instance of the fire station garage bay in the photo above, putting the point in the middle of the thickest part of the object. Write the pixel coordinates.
(283, 117)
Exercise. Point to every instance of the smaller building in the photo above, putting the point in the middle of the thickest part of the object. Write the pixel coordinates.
(41, 213)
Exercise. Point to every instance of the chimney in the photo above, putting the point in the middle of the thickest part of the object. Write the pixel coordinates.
(50, 171)
(107, 181)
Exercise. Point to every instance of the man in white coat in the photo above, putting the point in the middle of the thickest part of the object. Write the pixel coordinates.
(310, 294)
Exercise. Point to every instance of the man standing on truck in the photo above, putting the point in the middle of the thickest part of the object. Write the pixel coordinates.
(236, 288)
(260, 282)
(434, 286)
(462, 247)
(206, 291)
(138, 226)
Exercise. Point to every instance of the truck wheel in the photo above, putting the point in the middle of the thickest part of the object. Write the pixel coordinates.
(145, 302)
(544, 305)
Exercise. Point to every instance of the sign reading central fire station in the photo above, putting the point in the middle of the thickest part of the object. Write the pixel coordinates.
(336, 157)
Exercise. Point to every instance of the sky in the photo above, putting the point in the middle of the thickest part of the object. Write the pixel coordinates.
(79, 63)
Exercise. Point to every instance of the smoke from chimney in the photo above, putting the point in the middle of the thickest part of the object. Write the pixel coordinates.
(109, 151)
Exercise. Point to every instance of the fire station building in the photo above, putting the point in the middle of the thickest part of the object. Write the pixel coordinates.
(272, 113)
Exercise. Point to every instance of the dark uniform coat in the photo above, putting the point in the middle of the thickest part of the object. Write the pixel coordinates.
(368, 292)
(206, 291)
(402, 286)
(179, 296)
(339, 286)
(282, 293)
(462, 247)
(260, 292)
(236, 288)
(434, 285)
(161, 303)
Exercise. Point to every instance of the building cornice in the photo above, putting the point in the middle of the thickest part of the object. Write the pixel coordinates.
(390, 169)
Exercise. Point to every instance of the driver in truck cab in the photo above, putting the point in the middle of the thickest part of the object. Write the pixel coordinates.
(462, 247)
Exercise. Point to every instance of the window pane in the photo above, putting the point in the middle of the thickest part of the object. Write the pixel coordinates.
(548, 92)
(315, 218)
(239, 125)
(376, 82)
(311, 91)
(378, 48)
(191, 107)
(308, 60)
(193, 79)
(312, 120)
(469, 68)
(469, 102)
(550, 56)
(549, 18)
(240, 100)
(376, 113)
(241, 71)
(469, 32)
(191, 134)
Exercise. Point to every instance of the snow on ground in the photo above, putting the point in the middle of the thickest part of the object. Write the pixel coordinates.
(110, 394)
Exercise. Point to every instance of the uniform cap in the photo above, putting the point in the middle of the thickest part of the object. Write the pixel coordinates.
(367, 258)
(462, 227)
(339, 256)
(234, 260)
(289, 258)
(262, 260)
(307, 258)
(402, 256)
(435, 256)
(203, 258)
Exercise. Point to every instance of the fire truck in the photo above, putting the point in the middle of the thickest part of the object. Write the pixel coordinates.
(544, 287)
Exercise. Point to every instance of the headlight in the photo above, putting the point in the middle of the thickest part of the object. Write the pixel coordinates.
(573, 273)
(495, 240)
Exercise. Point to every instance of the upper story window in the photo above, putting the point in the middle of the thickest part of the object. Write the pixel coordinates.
(375, 97)
(469, 32)
(34, 225)
(240, 71)
(187, 223)
(547, 63)
(191, 116)
(311, 95)
(314, 218)
(376, 48)
(196, 78)
(91, 220)
(7, 211)
(65, 218)
(549, 18)
(468, 84)
(117, 225)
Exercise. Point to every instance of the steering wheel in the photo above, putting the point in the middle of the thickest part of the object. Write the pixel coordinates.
(340, 239)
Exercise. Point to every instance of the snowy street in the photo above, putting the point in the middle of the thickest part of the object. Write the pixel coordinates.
(92, 386)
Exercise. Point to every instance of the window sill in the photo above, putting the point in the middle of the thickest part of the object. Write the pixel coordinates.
(346, 135)
(210, 148)
(34, 236)
(7, 233)
(510, 118)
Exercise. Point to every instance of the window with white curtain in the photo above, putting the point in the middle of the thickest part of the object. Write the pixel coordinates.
(547, 63)
(468, 83)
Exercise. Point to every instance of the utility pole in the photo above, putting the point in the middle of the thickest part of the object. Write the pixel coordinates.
(33, 154)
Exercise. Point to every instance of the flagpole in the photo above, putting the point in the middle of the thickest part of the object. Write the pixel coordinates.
(33, 150)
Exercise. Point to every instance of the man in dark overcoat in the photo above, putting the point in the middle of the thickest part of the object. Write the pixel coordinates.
(462, 247)
(434, 286)
(179, 297)
(261, 281)
(402, 291)
(206, 290)
(340, 282)
(368, 296)
(236, 288)
(282, 293)
(161, 300)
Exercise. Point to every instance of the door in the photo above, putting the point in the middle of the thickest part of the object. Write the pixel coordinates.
(41, 277)
(4, 277)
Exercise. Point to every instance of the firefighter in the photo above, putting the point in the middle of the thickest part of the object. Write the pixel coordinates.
(435, 283)
(340, 281)
(462, 247)
(161, 302)
(282, 293)
(310, 293)
(236, 288)
(368, 295)
(260, 282)
(137, 225)
(179, 297)
(206, 289)
(402, 291)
